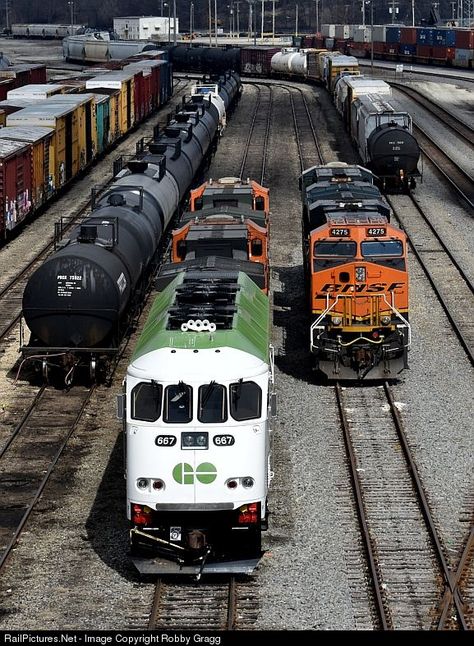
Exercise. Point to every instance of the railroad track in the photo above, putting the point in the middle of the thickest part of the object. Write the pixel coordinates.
(29, 455)
(411, 579)
(254, 158)
(306, 137)
(464, 130)
(223, 604)
(458, 178)
(452, 286)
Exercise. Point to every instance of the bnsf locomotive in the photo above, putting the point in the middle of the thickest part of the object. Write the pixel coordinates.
(356, 275)
(198, 393)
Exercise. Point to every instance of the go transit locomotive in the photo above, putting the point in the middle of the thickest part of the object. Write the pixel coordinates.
(198, 396)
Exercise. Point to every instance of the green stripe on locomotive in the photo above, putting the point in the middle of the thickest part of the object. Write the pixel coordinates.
(249, 331)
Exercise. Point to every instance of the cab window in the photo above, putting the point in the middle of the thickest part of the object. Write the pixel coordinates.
(212, 404)
(146, 401)
(245, 400)
(382, 248)
(336, 248)
(178, 404)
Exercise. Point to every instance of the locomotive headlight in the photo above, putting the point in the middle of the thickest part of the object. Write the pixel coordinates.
(385, 320)
(336, 320)
(232, 483)
(158, 484)
(142, 483)
(194, 440)
(247, 483)
(360, 274)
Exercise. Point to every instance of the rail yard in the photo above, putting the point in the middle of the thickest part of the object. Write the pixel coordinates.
(372, 498)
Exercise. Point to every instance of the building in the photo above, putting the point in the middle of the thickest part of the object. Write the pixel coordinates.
(145, 28)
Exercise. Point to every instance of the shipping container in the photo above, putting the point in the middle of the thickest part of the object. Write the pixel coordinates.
(343, 31)
(423, 52)
(255, 61)
(407, 35)
(444, 38)
(41, 141)
(328, 31)
(443, 54)
(407, 50)
(362, 34)
(392, 34)
(425, 36)
(392, 49)
(379, 33)
(464, 38)
(15, 184)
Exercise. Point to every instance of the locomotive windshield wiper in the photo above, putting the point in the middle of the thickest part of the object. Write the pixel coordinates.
(236, 392)
(208, 392)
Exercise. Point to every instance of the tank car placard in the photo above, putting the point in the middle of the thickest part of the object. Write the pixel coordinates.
(66, 285)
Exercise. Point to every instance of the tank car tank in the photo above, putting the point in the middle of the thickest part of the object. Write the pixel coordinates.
(76, 303)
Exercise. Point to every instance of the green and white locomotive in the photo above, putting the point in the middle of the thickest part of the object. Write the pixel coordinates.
(197, 420)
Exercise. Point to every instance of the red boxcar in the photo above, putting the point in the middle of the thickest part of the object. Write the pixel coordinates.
(256, 60)
(5, 86)
(15, 184)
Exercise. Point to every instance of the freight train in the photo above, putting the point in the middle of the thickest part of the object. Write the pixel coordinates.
(79, 303)
(198, 395)
(55, 131)
(356, 275)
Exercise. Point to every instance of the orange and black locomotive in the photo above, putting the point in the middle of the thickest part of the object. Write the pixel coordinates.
(356, 275)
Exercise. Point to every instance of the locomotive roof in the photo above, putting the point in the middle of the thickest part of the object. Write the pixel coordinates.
(232, 213)
(355, 218)
(231, 300)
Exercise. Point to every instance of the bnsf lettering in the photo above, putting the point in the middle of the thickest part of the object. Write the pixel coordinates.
(332, 288)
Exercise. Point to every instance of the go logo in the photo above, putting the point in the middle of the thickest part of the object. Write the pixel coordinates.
(184, 473)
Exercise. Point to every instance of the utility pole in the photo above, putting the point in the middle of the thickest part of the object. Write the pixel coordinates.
(237, 26)
(263, 20)
(161, 14)
(215, 19)
(363, 13)
(71, 9)
(296, 20)
(210, 24)
(174, 23)
(413, 12)
(273, 23)
(191, 23)
(7, 16)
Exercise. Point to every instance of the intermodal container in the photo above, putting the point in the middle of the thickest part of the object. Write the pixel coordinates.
(392, 35)
(464, 38)
(407, 35)
(423, 51)
(407, 50)
(444, 37)
(15, 184)
(443, 53)
(425, 36)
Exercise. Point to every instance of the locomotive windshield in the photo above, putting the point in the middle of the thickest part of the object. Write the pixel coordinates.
(336, 248)
(382, 248)
(212, 405)
(146, 401)
(178, 404)
(245, 400)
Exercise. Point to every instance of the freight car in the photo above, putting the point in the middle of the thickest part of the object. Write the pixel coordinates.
(356, 275)
(84, 116)
(78, 304)
(198, 401)
(44, 31)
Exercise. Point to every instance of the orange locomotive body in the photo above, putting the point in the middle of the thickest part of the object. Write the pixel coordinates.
(357, 280)
(228, 222)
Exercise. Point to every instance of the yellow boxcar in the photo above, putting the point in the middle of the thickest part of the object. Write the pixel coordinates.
(86, 123)
(124, 83)
(3, 118)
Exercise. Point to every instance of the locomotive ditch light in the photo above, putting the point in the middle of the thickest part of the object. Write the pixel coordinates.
(232, 483)
(385, 320)
(336, 320)
(194, 440)
(142, 483)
